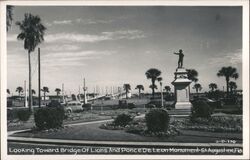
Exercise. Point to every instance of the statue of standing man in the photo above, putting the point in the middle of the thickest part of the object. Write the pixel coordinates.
(181, 56)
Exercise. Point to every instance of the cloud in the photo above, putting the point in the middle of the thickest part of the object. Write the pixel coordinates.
(62, 47)
(73, 59)
(63, 22)
(91, 21)
(232, 58)
(74, 37)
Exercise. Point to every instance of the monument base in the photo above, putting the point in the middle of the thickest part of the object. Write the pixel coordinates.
(183, 105)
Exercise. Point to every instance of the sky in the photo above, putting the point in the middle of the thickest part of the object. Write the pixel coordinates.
(113, 45)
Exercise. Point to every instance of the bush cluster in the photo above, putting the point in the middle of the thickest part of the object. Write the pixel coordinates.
(200, 109)
(23, 114)
(122, 120)
(157, 120)
(49, 117)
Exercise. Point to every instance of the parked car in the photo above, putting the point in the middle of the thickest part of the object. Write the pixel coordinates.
(73, 106)
(210, 102)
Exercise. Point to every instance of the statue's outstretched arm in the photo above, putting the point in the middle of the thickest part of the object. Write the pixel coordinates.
(176, 53)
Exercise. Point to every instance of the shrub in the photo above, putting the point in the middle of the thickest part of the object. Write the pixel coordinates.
(54, 103)
(49, 117)
(131, 105)
(157, 120)
(23, 114)
(200, 109)
(122, 120)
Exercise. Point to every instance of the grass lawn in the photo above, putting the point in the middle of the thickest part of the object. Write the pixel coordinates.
(85, 116)
(93, 132)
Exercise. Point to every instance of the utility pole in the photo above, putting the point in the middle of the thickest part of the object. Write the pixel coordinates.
(84, 91)
(161, 95)
(79, 94)
(39, 80)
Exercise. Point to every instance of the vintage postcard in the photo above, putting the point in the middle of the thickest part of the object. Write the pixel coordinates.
(124, 80)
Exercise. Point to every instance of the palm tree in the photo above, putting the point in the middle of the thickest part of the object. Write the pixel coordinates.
(57, 90)
(19, 90)
(9, 16)
(33, 91)
(228, 72)
(153, 74)
(192, 75)
(140, 88)
(8, 91)
(45, 90)
(126, 87)
(197, 87)
(167, 88)
(232, 86)
(213, 86)
(32, 31)
(153, 87)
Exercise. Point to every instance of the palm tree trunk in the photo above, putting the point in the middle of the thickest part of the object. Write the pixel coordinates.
(227, 82)
(153, 89)
(139, 93)
(30, 85)
(126, 94)
(44, 96)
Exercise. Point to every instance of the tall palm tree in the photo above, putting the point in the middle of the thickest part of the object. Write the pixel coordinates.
(212, 86)
(8, 91)
(127, 87)
(9, 16)
(153, 74)
(197, 87)
(32, 32)
(19, 90)
(228, 72)
(45, 90)
(192, 75)
(58, 91)
(140, 88)
(232, 86)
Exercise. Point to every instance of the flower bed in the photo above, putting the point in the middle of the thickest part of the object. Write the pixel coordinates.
(138, 126)
(214, 124)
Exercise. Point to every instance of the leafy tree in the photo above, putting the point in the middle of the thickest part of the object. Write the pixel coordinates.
(140, 88)
(9, 16)
(192, 75)
(197, 87)
(19, 90)
(58, 91)
(232, 86)
(73, 96)
(213, 86)
(45, 90)
(153, 74)
(32, 32)
(228, 72)
(126, 87)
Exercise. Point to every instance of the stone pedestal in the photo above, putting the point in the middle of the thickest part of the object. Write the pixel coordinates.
(181, 86)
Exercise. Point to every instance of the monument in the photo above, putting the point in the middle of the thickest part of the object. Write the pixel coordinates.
(181, 86)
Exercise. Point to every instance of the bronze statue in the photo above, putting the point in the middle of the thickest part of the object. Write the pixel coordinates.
(180, 61)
